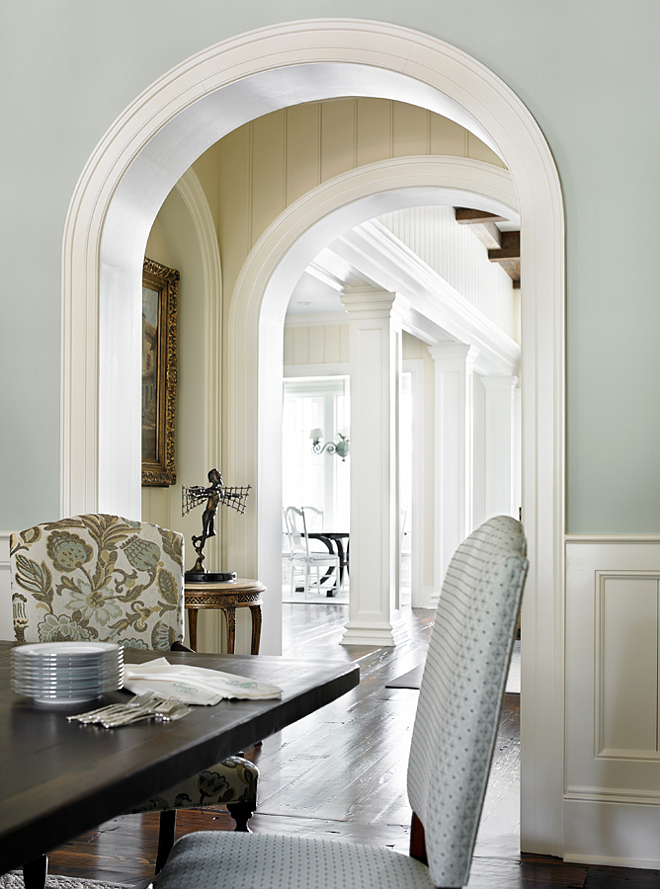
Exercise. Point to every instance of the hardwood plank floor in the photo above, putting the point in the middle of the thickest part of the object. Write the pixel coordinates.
(341, 773)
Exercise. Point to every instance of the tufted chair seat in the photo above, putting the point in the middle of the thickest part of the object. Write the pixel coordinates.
(110, 579)
(452, 746)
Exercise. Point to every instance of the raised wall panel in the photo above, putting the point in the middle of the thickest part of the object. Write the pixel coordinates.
(300, 345)
(6, 619)
(447, 137)
(303, 150)
(344, 336)
(316, 351)
(410, 130)
(626, 663)
(479, 151)
(612, 763)
(268, 171)
(332, 344)
(338, 138)
(374, 130)
(234, 211)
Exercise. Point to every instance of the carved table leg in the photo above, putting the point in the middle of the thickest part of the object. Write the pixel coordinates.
(192, 627)
(256, 628)
(230, 617)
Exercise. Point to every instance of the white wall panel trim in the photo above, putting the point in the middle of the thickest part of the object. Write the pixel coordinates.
(6, 619)
(611, 778)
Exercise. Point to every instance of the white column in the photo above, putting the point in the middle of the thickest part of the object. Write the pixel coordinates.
(454, 366)
(501, 450)
(375, 363)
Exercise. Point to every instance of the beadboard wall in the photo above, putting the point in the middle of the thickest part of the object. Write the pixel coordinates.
(461, 259)
(260, 169)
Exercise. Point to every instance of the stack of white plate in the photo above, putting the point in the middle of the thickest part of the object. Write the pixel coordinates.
(66, 672)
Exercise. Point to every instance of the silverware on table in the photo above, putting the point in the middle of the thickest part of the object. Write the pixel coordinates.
(148, 705)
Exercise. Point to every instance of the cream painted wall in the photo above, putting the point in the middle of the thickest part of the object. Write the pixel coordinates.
(173, 242)
(261, 168)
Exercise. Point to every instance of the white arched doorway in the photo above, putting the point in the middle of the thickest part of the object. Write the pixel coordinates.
(259, 302)
(146, 151)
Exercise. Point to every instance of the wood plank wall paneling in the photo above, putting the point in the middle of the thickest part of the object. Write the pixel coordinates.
(316, 344)
(456, 255)
(273, 161)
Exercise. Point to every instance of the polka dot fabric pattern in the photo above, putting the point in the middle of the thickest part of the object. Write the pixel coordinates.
(461, 693)
(217, 860)
(452, 747)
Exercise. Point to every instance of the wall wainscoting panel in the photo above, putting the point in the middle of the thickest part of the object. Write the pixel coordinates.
(612, 686)
(6, 620)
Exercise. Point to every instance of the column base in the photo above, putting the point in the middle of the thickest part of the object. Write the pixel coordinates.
(375, 634)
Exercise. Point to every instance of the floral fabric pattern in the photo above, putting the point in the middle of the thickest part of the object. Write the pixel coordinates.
(232, 781)
(98, 577)
(105, 578)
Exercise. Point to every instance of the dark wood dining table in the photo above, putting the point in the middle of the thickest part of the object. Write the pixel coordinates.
(60, 778)
(332, 540)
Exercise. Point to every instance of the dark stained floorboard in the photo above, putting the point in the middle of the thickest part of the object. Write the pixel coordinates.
(340, 773)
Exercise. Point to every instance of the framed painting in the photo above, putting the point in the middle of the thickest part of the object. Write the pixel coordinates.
(160, 287)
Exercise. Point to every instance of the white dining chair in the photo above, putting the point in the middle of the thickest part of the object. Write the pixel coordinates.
(304, 560)
(452, 746)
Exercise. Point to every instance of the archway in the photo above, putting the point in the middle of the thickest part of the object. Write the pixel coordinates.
(253, 364)
(151, 145)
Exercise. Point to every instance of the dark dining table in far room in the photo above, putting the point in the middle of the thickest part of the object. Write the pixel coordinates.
(60, 778)
(334, 539)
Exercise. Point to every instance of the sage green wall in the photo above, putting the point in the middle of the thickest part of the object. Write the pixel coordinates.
(588, 71)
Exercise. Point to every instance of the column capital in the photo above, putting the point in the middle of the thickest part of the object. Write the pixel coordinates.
(455, 355)
(367, 303)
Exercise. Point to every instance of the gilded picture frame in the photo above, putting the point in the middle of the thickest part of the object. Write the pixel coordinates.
(160, 287)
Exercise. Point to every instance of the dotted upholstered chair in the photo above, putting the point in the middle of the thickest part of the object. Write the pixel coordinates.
(452, 746)
(102, 577)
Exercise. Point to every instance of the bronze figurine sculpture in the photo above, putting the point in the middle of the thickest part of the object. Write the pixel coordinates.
(215, 494)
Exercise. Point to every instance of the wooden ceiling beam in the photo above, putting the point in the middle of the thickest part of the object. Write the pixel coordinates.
(509, 248)
(468, 216)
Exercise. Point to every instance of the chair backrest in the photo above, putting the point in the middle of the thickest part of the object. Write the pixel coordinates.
(461, 693)
(297, 531)
(98, 577)
(313, 518)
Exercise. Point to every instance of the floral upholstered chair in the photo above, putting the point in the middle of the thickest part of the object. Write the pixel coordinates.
(105, 578)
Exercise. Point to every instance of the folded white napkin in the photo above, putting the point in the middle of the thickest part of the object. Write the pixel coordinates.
(194, 685)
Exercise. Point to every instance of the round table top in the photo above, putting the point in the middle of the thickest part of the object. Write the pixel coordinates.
(241, 584)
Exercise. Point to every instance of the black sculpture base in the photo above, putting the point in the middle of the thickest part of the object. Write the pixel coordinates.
(210, 576)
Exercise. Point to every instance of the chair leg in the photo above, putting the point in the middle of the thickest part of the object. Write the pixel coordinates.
(166, 835)
(241, 813)
(35, 872)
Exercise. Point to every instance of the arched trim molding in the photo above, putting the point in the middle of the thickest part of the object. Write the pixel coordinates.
(116, 200)
(193, 195)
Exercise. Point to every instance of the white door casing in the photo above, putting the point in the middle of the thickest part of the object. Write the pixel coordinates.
(136, 164)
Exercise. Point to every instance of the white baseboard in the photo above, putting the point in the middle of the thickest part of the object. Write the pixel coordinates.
(613, 834)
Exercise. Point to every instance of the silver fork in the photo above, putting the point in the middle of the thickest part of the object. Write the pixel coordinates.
(166, 710)
(139, 701)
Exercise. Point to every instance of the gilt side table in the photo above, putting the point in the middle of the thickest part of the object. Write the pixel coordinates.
(239, 593)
